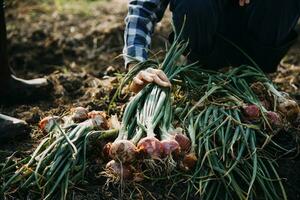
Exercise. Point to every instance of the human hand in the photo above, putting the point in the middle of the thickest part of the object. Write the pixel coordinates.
(244, 2)
(147, 76)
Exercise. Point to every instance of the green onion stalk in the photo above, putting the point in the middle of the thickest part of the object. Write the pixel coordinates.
(253, 86)
(58, 162)
(231, 158)
(229, 119)
(230, 126)
(146, 133)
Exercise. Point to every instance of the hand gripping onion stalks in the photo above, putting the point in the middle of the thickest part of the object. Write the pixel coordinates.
(230, 130)
(146, 133)
(229, 119)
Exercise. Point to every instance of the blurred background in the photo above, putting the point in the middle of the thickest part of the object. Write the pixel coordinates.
(76, 35)
(77, 44)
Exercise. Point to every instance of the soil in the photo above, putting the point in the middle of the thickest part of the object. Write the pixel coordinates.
(78, 50)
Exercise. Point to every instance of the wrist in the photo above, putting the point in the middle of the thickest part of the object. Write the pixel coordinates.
(130, 65)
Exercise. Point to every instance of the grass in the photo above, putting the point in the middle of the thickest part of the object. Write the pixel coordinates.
(76, 6)
(81, 7)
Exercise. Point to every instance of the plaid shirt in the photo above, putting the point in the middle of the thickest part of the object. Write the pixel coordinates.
(140, 22)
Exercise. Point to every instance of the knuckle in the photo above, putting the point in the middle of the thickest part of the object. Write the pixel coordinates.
(140, 74)
(145, 74)
(149, 69)
(162, 73)
(135, 79)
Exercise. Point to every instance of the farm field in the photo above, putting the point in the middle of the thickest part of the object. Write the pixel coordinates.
(77, 44)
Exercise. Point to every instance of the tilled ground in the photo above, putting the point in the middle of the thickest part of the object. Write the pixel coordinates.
(77, 47)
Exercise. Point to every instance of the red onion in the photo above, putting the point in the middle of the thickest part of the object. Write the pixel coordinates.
(170, 147)
(100, 118)
(123, 151)
(274, 118)
(184, 142)
(48, 123)
(80, 114)
(189, 161)
(119, 170)
(251, 112)
(150, 147)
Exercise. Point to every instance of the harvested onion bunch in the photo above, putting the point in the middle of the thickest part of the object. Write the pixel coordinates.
(230, 129)
(59, 161)
(233, 128)
(230, 119)
(146, 135)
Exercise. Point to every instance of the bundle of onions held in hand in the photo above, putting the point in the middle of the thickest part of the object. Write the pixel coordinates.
(147, 136)
(228, 121)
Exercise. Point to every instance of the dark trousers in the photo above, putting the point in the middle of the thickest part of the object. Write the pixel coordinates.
(264, 30)
(4, 67)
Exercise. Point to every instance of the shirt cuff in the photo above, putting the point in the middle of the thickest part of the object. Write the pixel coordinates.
(133, 54)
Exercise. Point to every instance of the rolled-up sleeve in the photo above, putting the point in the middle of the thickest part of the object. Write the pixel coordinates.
(140, 22)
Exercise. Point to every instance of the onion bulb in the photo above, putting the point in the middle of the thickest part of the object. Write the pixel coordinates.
(100, 118)
(79, 114)
(170, 147)
(48, 123)
(123, 151)
(289, 108)
(119, 170)
(150, 147)
(184, 142)
(189, 161)
(274, 118)
(251, 112)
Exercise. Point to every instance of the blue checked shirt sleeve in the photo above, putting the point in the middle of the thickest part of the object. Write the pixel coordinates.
(140, 22)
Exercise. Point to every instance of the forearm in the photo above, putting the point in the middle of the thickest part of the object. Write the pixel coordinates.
(140, 22)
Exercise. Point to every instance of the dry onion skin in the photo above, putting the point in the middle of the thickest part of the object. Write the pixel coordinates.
(47, 124)
(289, 108)
(274, 119)
(79, 114)
(100, 117)
(189, 162)
(184, 142)
(150, 147)
(106, 150)
(116, 171)
(251, 112)
(123, 151)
